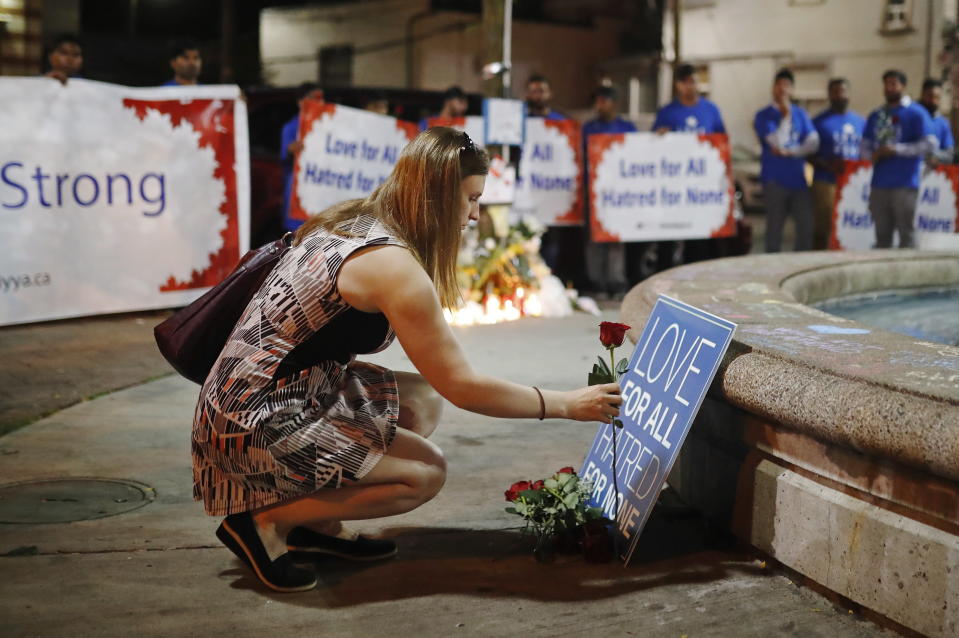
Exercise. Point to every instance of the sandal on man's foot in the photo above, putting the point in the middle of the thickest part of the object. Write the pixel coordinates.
(238, 533)
(306, 543)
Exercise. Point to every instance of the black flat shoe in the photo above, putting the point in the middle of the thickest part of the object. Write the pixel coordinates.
(238, 533)
(306, 543)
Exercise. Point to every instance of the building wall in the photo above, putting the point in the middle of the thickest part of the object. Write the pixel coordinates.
(21, 39)
(449, 53)
(60, 16)
(742, 43)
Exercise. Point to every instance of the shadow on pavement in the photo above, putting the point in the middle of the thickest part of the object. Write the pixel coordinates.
(499, 564)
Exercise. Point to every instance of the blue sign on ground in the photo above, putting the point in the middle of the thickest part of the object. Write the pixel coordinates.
(672, 366)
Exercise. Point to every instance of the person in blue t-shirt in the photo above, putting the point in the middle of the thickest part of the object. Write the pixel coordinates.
(290, 147)
(840, 137)
(691, 113)
(538, 98)
(607, 118)
(931, 99)
(897, 136)
(186, 63)
(787, 136)
(605, 262)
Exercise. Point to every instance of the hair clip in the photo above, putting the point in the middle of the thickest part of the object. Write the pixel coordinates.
(468, 144)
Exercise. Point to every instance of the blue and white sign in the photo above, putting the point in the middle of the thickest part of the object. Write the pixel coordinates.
(648, 187)
(672, 366)
(935, 221)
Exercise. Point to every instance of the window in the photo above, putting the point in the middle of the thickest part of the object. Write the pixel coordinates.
(336, 66)
(896, 17)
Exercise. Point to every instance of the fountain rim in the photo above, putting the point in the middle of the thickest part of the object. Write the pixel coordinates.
(897, 399)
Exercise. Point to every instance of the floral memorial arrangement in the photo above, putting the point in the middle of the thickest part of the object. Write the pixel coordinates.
(503, 277)
(557, 509)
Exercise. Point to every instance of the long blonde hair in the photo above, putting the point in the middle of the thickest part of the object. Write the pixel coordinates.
(420, 203)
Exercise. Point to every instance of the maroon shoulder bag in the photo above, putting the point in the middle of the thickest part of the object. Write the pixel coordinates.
(192, 338)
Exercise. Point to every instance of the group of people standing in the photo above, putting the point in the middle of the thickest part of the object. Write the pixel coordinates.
(612, 268)
(65, 61)
(898, 137)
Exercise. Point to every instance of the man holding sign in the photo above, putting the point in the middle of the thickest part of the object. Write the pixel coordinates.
(605, 262)
(840, 136)
(689, 113)
(290, 147)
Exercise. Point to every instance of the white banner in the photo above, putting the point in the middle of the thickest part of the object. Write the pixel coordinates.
(115, 199)
(937, 213)
(647, 187)
(550, 182)
(346, 154)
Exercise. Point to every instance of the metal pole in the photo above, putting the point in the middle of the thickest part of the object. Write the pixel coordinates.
(493, 31)
(927, 65)
(677, 7)
(507, 59)
(508, 48)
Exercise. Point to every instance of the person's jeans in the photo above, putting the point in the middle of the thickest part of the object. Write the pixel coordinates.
(893, 209)
(781, 202)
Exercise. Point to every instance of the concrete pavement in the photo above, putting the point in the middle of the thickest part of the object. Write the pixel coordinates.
(49, 366)
(463, 568)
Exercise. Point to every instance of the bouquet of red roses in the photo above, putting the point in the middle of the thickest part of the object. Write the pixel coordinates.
(556, 509)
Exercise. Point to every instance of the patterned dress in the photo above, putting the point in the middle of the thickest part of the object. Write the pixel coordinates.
(286, 409)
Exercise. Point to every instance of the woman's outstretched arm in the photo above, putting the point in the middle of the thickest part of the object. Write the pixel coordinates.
(388, 279)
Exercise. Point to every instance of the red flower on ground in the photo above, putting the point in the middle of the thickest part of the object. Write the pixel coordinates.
(567, 470)
(611, 334)
(538, 485)
(513, 492)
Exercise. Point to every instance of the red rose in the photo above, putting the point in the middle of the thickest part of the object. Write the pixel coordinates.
(538, 485)
(513, 492)
(612, 334)
(567, 469)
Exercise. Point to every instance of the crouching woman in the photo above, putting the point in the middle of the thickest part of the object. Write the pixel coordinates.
(292, 435)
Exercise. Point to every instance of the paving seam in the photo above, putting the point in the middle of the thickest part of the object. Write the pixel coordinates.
(115, 551)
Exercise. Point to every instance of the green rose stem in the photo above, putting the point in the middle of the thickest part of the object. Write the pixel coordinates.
(526, 505)
(612, 363)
